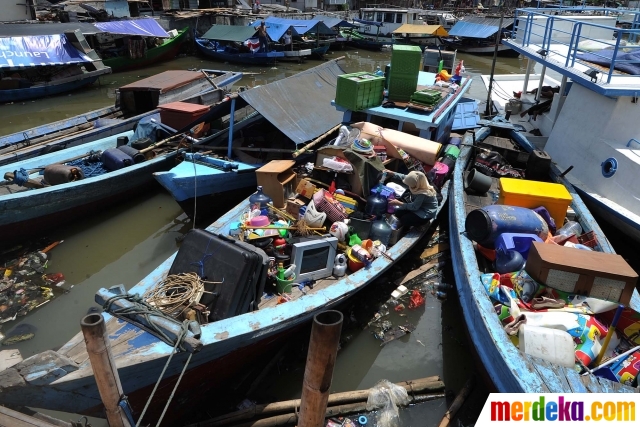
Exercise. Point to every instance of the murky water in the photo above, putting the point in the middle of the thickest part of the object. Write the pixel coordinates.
(123, 244)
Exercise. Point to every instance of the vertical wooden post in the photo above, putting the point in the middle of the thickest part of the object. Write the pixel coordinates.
(104, 368)
(318, 373)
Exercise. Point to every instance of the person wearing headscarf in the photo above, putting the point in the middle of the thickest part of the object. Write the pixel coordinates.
(424, 201)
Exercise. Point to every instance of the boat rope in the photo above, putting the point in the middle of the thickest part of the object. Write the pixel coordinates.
(173, 392)
(146, 310)
(177, 293)
(183, 333)
(195, 189)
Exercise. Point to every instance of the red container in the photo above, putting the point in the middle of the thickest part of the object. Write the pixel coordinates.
(180, 114)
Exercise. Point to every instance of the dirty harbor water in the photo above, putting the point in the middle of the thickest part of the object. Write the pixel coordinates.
(125, 243)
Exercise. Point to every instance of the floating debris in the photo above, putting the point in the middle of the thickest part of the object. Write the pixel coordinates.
(22, 332)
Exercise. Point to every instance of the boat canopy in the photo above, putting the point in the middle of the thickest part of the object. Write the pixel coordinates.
(276, 27)
(46, 29)
(434, 30)
(365, 22)
(471, 30)
(281, 103)
(333, 22)
(39, 50)
(147, 27)
(229, 33)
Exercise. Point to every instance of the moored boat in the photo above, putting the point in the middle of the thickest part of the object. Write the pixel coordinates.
(510, 369)
(477, 35)
(233, 336)
(133, 102)
(585, 120)
(38, 66)
(232, 43)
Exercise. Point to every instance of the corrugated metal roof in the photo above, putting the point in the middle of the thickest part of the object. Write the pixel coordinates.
(46, 29)
(435, 30)
(471, 30)
(229, 33)
(300, 106)
(493, 22)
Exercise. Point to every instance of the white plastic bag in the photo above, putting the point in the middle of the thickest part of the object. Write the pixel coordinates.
(385, 397)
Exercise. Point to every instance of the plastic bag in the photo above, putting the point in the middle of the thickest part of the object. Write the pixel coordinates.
(386, 396)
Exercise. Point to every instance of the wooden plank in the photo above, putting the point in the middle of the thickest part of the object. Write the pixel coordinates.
(435, 249)
(11, 418)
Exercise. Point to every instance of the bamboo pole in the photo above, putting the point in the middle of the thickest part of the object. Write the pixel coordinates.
(316, 141)
(419, 386)
(457, 403)
(104, 368)
(318, 372)
(334, 411)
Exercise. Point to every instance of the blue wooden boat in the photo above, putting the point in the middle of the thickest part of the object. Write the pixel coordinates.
(227, 43)
(132, 104)
(56, 87)
(229, 345)
(510, 370)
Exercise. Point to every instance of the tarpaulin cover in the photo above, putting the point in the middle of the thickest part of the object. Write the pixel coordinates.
(471, 30)
(365, 22)
(229, 33)
(276, 27)
(39, 50)
(435, 30)
(135, 27)
(301, 118)
(332, 22)
(604, 57)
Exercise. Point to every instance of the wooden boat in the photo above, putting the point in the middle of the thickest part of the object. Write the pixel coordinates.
(510, 370)
(360, 41)
(477, 36)
(133, 102)
(235, 56)
(478, 47)
(167, 50)
(230, 345)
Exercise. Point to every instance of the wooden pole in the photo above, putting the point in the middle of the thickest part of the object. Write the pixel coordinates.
(457, 403)
(104, 368)
(419, 386)
(493, 64)
(316, 141)
(318, 373)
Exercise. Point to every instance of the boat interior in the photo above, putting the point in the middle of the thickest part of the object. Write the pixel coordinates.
(518, 298)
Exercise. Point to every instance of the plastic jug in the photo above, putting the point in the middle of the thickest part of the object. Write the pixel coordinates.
(571, 227)
(340, 265)
(259, 198)
(520, 242)
(381, 230)
(486, 224)
(553, 345)
(508, 260)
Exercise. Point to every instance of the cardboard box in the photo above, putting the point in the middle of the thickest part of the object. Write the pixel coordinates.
(305, 188)
(588, 273)
(294, 205)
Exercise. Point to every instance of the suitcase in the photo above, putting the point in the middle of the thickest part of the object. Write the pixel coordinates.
(240, 266)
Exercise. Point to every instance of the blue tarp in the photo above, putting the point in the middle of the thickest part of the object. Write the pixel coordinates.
(39, 50)
(332, 22)
(135, 27)
(276, 27)
(604, 57)
(471, 30)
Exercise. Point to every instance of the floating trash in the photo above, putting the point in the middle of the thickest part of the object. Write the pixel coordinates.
(22, 332)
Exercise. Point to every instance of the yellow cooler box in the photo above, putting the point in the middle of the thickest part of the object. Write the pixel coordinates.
(531, 194)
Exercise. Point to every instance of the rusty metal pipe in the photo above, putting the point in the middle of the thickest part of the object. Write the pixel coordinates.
(318, 373)
(104, 368)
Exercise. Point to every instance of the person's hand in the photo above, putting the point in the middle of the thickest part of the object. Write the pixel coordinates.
(394, 202)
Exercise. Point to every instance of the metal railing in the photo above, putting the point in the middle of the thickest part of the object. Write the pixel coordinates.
(568, 27)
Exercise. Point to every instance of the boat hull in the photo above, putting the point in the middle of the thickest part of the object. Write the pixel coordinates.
(267, 58)
(30, 212)
(610, 213)
(510, 370)
(49, 89)
(503, 51)
(164, 52)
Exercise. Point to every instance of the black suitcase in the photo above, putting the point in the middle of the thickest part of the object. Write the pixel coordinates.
(240, 266)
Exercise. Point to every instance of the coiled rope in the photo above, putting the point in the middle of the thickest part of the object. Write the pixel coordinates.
(176, 293)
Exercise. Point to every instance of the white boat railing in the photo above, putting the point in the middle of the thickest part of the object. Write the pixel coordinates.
(562, 34)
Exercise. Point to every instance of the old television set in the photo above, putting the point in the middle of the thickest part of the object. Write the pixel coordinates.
(313, 257)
